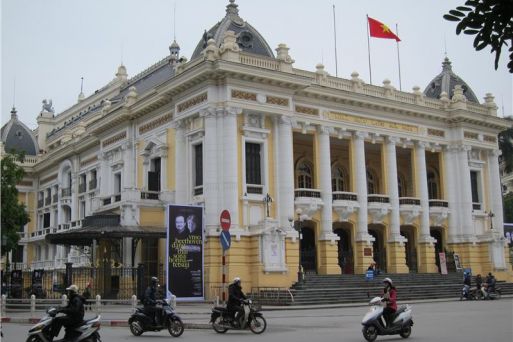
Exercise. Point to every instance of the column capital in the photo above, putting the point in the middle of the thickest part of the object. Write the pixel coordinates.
(284, 120)
(494, 153)
(209, 112)
(392, 140)
(360, 134)
(178, 124)
(324, 130)
(421, 144)
(232, 111)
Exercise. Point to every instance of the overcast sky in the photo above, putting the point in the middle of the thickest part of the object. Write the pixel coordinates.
(47, 46)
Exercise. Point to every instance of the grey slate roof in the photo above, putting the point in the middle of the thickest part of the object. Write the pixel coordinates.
(445, 82)
(17, 136)
(249, 39)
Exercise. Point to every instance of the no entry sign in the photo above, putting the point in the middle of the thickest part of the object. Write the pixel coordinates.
(225, 220)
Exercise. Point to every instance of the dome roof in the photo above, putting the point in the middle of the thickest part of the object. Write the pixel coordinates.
(446, 81)
(248, 38)
(17, 136)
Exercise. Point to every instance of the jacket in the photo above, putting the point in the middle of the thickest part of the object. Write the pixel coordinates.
(235, 295)
(391, 296)
(75, 308)
(150, 296)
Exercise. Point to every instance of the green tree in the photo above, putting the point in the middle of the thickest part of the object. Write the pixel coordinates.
(506, 146)
(491, 21)
(14, 215)
(508, 208)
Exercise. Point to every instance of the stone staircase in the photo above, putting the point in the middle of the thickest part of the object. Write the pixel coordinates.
(350, 288)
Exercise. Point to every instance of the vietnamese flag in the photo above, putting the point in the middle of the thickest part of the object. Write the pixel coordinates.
(379, 30)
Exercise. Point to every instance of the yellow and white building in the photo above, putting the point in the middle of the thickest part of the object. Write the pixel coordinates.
(371, 173)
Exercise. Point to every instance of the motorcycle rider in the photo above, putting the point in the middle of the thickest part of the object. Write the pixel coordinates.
(467, 282)
(490, 284)
(150, 300)
(74, 313)
(390, 297)
(235, 297)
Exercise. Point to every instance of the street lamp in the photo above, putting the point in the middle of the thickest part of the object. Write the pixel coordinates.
(298, 227)
(491, 215)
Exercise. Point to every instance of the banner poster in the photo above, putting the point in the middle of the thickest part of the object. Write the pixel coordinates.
(443, 263)
(184, 273)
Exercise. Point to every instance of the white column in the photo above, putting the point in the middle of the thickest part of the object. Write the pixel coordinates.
(465, 187)
(210, 159)
(286, 171)
(361, 185)
(393, 190)
(230, 179)
(127, 176)
(451, 192)
(180, 167)
(74, 196)
(421, 177)
(325, 181)
(495, 191)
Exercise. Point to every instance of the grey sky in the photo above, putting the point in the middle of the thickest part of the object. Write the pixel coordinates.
(48, 45)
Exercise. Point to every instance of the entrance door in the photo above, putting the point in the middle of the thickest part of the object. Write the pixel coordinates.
(308, 253)
(345, 251)
(378, 247)
(437, 234)
(410, 248)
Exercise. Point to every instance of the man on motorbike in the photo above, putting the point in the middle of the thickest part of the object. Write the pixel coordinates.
(489, 285)
(150, 300)
(235, 297)
(74, 312)
(390, 297)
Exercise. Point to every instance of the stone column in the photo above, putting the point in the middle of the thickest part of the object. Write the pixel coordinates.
(328, 251)
(426, 249)
(396, 248)
(230, 159)
(465, 187)
(451, 192)
(495, 191)
(180, 160)
(210, 160)
(363, 241)
(286, 171)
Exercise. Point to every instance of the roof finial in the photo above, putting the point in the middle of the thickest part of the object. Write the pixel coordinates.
(13, 113)
(446, 64)
(81, 96)
(14, 94)
(231, 8)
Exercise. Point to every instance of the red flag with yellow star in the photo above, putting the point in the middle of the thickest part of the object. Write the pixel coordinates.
(379, 30)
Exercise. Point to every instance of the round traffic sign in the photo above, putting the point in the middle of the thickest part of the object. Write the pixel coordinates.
(225, 220)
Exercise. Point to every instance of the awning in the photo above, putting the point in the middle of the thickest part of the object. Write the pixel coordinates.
(85, 236)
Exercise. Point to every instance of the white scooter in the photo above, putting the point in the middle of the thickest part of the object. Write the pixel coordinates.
(42, 331)
(374, 323)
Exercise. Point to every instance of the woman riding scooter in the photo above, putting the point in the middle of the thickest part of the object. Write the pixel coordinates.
(390, 297)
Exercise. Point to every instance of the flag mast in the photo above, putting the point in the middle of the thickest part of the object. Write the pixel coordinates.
(398, 58)
(335, 38)
(368, 49)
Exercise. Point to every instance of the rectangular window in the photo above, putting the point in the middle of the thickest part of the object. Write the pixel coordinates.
(474, 183)
(198, 165)
(82, 209)
(17, 254)
(253, 164)
(117, 183)
(154, 175)
(46, 220)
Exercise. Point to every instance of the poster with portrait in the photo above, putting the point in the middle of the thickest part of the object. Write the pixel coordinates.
(184, 277)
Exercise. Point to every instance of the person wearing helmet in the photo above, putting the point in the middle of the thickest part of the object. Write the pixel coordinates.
(390, 297)
(74, 311)
(150, 299)
(235, 297)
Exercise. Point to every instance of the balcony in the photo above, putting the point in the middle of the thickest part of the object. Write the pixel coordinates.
(476, 206)
(93, 184)
(254, 189)
(81, 188)
(66, 192)
(409, 209)
(308, 200)
(150, 195)
(198, 190)
(438, 211)
(41, 233)
(344, 204)
(378, 207)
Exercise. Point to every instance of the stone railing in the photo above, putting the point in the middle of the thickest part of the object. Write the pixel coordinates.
(66, 192)
(344, 196)
(312, 193)
(438, 203)
(257, 189)
(377, 198)
(261, 62)
(409, 201)
(476, 206)
(150, 195)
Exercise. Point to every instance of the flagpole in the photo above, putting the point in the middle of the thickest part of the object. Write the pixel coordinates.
(368, 49)
(398, 58)
(335, 37)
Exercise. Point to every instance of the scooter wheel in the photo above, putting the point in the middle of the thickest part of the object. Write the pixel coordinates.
(136, 327)
(370, 333)
(175, 327)
(257, 325)
(217, 325)
(406, 332)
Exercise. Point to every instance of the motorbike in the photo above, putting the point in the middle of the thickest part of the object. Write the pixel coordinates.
(42, 331)
(470, 293)
(374, 323)
(494, 294)
(140, 322)
(223, 320)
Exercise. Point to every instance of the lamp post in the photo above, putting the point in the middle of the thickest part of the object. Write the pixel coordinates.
(491, 215)
(299, 267)
(267, 200)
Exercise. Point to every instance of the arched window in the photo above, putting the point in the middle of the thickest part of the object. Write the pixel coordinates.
(432, 182)
(402, 186)
(372, 182)
(339, 179)
(304, 175)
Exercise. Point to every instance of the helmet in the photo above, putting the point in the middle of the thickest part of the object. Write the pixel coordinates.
(154, 280)
(236, 280)
(388, 280)
(72, 288)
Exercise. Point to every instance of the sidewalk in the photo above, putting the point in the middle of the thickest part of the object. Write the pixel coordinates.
(194, 315)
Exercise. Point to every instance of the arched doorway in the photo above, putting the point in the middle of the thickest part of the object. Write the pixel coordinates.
(437, 233)
(410, 247)
(345, 248)
(308, 252)
(378, 247)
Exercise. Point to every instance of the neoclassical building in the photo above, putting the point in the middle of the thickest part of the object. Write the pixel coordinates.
(367, 172)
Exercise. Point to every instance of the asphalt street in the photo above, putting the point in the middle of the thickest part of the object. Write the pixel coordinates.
(471, 321)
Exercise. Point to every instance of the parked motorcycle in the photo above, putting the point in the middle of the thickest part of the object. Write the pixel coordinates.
(493, 294)
(374, 323)
(470, 293)
(223, 320)
(140, 322)
(42, 331)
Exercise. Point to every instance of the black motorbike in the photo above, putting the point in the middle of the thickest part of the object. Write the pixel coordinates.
(494, 293)
(166, 317)
(223, 320)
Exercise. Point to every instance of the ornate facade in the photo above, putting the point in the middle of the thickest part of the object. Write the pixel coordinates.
(368, 172)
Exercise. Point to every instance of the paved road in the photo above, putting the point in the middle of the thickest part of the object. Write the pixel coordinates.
(446, 321)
